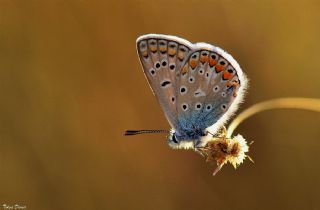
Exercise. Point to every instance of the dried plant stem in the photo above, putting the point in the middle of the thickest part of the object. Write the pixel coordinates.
(311, 104)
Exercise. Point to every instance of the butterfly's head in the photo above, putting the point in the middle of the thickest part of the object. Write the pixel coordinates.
(173, 139)
(176, 141)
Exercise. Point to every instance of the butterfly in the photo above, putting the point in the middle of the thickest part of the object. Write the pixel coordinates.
(198, 86)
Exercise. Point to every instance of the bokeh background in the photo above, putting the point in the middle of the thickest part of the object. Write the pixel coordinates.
(71, 83)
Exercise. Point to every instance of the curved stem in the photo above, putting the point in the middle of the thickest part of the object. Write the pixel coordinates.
(311, 104)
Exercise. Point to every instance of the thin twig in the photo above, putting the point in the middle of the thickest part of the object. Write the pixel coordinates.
(311, 104)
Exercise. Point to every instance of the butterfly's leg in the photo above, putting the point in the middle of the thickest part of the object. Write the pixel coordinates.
(224, 131)
(196, 143)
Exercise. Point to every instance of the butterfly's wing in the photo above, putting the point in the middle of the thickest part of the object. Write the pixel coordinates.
(211, 85)
(161, 57)
(197, 85)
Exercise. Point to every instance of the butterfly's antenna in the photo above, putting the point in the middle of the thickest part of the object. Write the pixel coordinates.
(136, 132)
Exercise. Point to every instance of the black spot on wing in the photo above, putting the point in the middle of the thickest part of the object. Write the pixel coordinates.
(165, 83)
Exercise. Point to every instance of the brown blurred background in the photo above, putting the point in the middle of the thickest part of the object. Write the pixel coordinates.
(71, 83)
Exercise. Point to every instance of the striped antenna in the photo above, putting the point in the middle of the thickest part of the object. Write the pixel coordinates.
(136, 132)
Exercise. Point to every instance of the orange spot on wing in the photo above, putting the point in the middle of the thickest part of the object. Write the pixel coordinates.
(184, 69)
(212, 62)
(181, 55)
(204, 59)
(219, 68)
(235, 94)
(193, 63)
(163, 48)
(226, 75)
(145, 54)
(153, 48)
(172, 51)
(232, 83)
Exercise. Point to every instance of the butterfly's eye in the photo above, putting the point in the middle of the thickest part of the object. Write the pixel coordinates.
(198, 106)
(184, 106)
(208, 107)
(174, 139)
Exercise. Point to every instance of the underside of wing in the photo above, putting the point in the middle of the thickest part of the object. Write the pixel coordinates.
(211, 86)
(197, 85)
(161, 57)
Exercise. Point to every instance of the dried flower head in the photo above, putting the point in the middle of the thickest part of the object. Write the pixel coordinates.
(223, 150)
